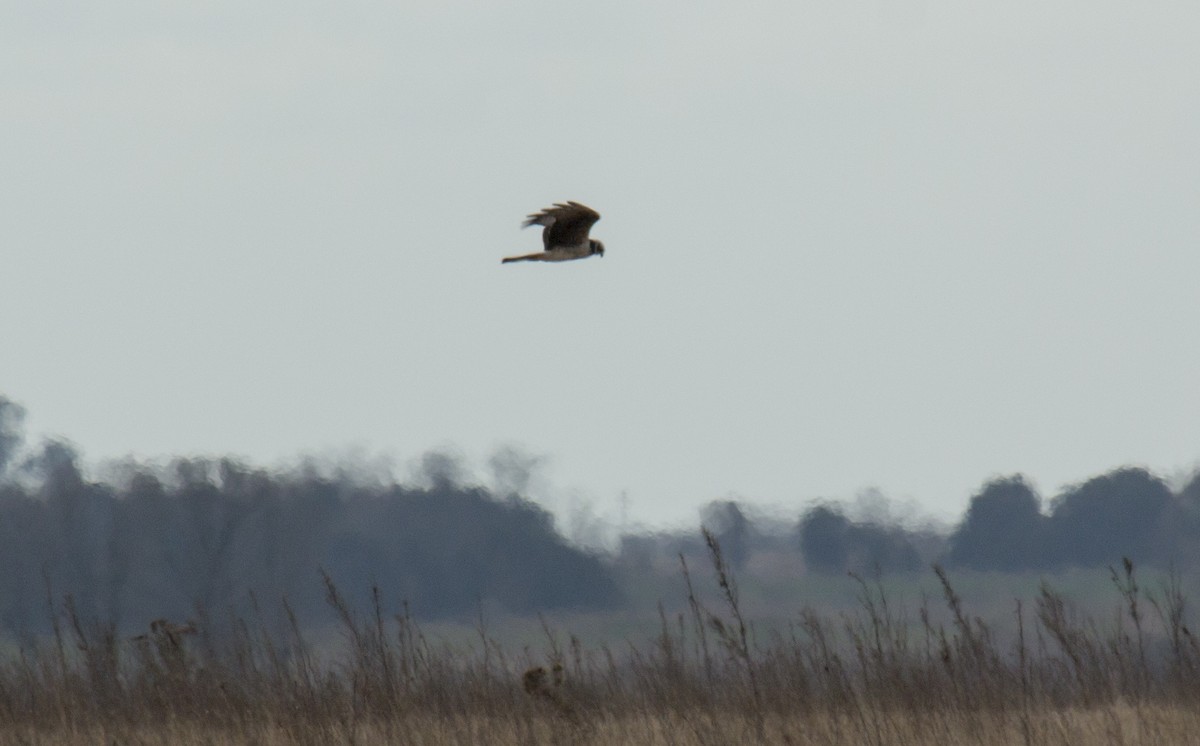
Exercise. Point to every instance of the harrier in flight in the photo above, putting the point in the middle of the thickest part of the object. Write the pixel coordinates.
(565, 235)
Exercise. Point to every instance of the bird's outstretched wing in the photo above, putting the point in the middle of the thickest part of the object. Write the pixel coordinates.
(566, 224)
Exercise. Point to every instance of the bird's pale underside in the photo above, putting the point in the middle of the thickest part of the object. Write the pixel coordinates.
(564, 235)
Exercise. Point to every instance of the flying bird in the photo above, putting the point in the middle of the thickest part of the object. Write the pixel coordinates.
(565, 235)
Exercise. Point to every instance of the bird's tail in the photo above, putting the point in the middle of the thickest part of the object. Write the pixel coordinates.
(522, 258)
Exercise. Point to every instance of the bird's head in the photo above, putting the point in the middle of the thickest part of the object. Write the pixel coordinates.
(597, 247)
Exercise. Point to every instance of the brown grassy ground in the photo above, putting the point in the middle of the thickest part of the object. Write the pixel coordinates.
(1120, 723)
(875, 676)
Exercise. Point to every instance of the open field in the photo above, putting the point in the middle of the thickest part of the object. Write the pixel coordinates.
(873, 674)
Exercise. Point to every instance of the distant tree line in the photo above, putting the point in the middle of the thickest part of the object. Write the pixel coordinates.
(1126, 513)
(215, 536)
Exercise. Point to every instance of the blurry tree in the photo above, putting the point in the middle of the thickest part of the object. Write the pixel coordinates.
(1189, 496)
(1003, 529)
(726, 520)
(822, 534)
(213, 535)
(1121, 514)
(874, 547)
(831, 542)
(11, 418)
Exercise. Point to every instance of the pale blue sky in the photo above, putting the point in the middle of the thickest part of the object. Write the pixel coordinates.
(908, 245)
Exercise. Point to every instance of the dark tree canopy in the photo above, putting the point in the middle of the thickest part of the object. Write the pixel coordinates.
(209, 534)
(1125, 513)
(728, 523)
(823, 539)
(830, 542)
(1120, 514)
(1004, 529)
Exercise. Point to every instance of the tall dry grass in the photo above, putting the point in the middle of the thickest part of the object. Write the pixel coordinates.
(875, 676)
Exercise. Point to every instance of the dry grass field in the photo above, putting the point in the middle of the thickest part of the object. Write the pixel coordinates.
(874, 676)
(1120, 724)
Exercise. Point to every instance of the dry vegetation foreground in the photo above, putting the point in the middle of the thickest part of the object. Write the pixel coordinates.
(870, 677)
(1117, 724)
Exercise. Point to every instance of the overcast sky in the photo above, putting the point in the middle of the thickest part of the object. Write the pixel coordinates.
(908, 245)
